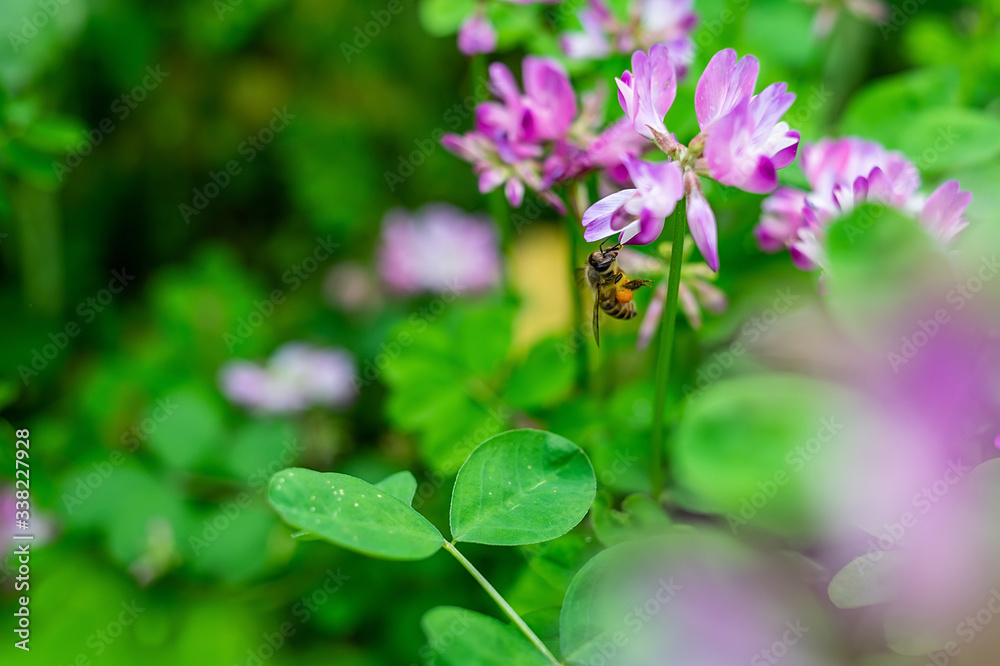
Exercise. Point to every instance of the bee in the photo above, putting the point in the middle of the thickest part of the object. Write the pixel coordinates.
(612, 288)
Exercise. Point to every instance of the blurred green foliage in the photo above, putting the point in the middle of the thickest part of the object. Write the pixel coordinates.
(155, 485)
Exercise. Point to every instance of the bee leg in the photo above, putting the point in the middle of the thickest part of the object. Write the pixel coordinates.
(597, 321)
(632, 285)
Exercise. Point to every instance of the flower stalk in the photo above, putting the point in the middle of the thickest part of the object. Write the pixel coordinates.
(663, 358)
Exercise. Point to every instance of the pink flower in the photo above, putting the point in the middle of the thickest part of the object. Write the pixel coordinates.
(543, 113)
(438, 249)
(944, 212)
(743, 142)
(782, 219)
(513, 133)
(845, 173)
(667, 22)
(638, 214)
(746, 142)
(477, 35)
(647, 92)
(296, 377)
(701, 220)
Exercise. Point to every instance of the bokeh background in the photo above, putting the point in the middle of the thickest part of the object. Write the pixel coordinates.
(118, 116)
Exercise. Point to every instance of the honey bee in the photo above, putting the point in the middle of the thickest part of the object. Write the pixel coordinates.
(612, 288)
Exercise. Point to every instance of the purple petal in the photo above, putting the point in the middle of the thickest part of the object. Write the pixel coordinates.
(725, 83)
(550, 98)
(490, 179)
(943, 212)
(650, 228)
(701, 221)
(598, 217)
(514, 191)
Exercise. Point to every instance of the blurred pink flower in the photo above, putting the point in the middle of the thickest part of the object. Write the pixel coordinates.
(669, 22)
(296, 377)
(477, 35)
(351, 287)
(537, 139)
(438, 249)
(845, 173)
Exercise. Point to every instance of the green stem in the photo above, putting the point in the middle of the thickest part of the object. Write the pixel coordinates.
(511, 613)
(573, 228)
(667, 326)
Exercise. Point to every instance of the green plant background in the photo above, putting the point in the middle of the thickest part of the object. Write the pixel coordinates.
(145, 534)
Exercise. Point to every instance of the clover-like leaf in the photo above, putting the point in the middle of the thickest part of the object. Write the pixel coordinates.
(521, 487)
(353, 514)
(401, 485)
(460, 637)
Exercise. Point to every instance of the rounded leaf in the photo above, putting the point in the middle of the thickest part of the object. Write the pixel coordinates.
(353, 514)
(460, 637)
(521, 487)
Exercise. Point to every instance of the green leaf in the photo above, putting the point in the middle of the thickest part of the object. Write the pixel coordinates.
(950, 138)
(749, 447)
(881, 263)
(640, 517)
(460, 637)
(521, 487)
(401, 485)
(353, 514)
(882, 109)
(867, 581)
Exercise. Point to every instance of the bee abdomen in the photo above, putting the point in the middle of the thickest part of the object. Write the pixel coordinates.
(617, 309)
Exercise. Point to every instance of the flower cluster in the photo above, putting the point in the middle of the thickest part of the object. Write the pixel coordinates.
(668, 22)
(438, 249)
(536, 139)
(743, 143)
(296, 377)
(843, 173)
